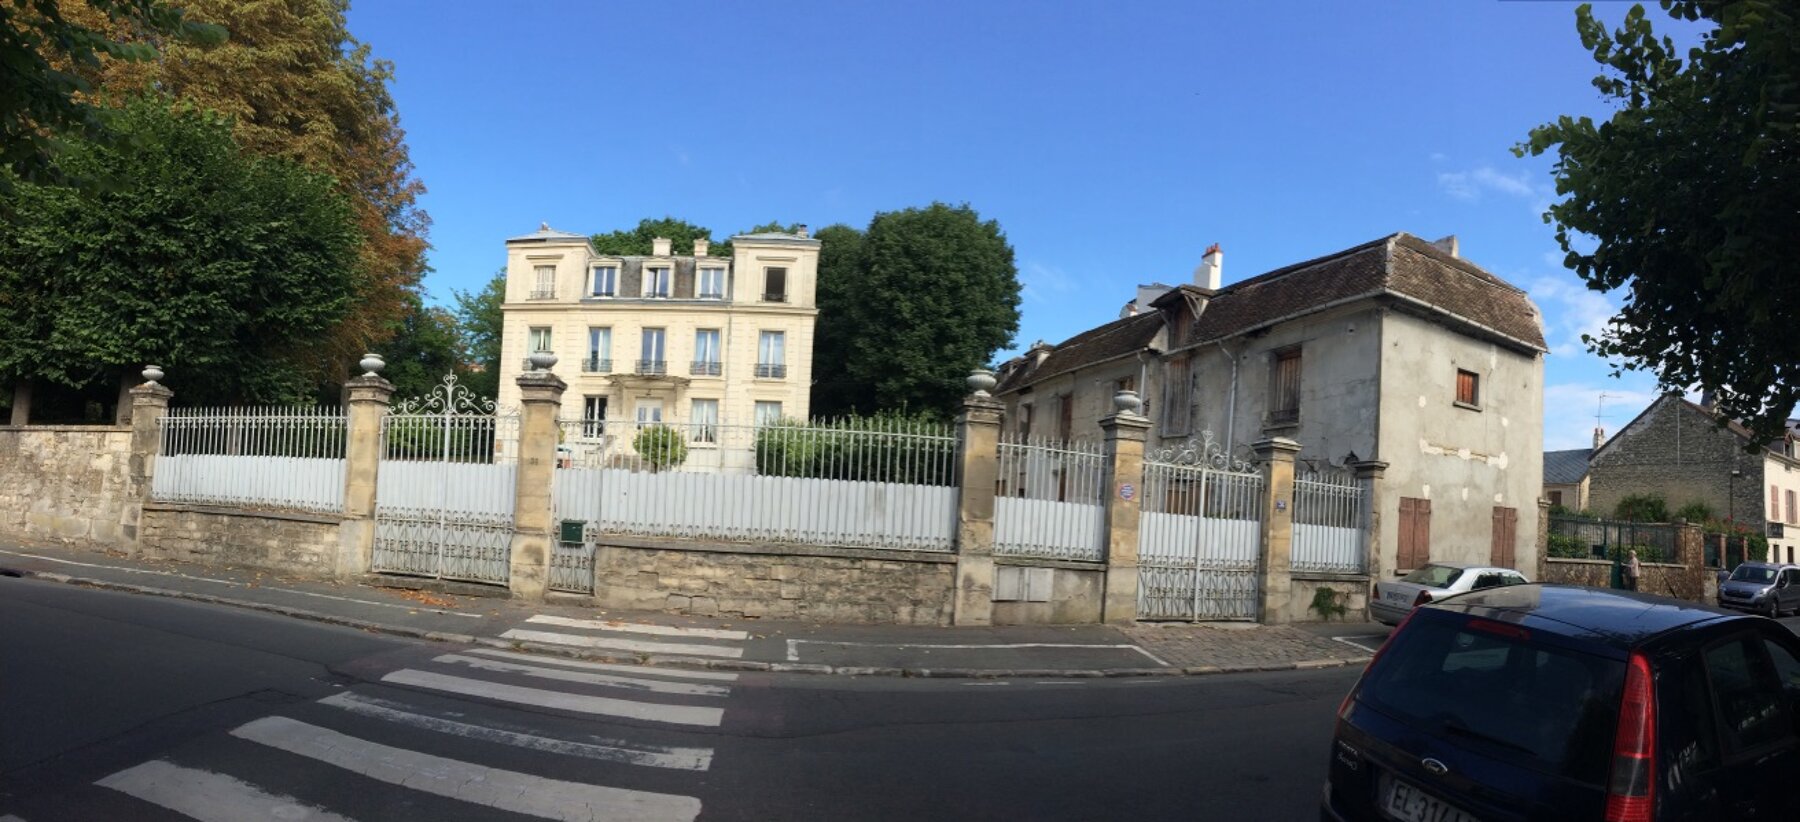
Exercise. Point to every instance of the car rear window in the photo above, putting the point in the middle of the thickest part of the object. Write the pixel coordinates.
(1542, 707)
(1434, 576)
(1746, 573)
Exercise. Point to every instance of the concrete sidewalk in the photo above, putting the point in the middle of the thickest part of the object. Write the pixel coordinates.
(644, 638)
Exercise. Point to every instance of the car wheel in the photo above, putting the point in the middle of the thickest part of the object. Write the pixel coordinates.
(1774, 609)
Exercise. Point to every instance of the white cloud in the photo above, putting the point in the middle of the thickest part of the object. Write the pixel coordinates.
(1438, 157)
(1569, 410)
(1038, 281)
(1571, 310)
(1471, 186)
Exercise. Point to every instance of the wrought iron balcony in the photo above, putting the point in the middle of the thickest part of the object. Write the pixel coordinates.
(652, 368)
(595, 365)
(704, 368)
(771, 371)
(775, 298)
(543, 293)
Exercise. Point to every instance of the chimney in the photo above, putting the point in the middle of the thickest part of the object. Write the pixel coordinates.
(1708, 400)
(659, 247)
(803, 231)
(1212, 268)
(1130, 310)
(700, 246)
(1448, 245)
(1599, 436)
(1038, 351)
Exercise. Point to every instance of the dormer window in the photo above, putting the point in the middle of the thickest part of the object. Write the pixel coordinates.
(656, 281)
(775, 285)
(712, 284)
(606, 281)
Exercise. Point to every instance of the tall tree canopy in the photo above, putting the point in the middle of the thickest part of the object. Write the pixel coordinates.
(426, 345)
(480, 322)
(41, 97)
(1690, 197)
(297, 85)
(932, 294)
(221, 266)
(636, 241)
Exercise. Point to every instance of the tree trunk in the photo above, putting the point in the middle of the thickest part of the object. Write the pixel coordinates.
(21, 405)
(122, 412)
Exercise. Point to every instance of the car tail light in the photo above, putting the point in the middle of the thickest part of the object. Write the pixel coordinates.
(1422, 598)
(1631, 790)
(1345, 705)
(1500, 629)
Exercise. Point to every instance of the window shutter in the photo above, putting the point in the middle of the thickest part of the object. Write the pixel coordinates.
(1403, 556)
(1506, 525)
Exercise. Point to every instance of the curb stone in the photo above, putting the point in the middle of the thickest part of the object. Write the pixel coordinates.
(658, 660)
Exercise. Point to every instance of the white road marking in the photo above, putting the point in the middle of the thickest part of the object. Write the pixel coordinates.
(208, 796)
(467, 781)
(239, 585)
(980, 684)
(607, 680)
(638, 627)
(640, 670)
(1352, 641)
(613, 750)
(650, 711)
(10, 818)
(1057, 682)
(634, 645)
(793, 654)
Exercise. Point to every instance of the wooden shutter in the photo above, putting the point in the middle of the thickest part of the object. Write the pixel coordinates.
(1415, 533)
(1065, 414)
(1506, 532)
(1465, 388)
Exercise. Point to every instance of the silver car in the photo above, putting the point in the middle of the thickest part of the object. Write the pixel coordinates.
(1767, 588)
(1394, 600)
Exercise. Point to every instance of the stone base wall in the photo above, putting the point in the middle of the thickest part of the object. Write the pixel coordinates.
(1352, 592)
(1076, 597)
(67, 483)
(293, 543)
(776, 582)
(1662, 579)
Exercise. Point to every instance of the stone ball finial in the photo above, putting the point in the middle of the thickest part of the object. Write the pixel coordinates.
(371, 364)
(1127, 401)
(980, 380)
(152, 374)
(542, 360)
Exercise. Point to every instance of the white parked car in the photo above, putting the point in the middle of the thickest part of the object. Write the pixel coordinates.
(1394, 600)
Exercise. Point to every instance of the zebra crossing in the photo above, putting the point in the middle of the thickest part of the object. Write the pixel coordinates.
(461, 735)
(613, 635)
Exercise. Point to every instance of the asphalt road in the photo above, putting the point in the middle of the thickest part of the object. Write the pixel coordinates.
(114, 706)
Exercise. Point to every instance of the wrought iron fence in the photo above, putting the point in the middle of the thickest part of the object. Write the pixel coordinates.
(262, 456)
(1328, 523)
(1048, 501)
(1582, 538)
(1199, 533)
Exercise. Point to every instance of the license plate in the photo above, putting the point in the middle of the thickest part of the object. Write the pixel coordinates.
(1410, 804)
(1396, 596)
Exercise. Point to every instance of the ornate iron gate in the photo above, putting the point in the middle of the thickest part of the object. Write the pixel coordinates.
(444, 489)
(1200, 534)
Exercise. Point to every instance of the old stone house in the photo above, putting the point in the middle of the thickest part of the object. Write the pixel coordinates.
(1566, 478)
(1684, 452)
(1395, 351)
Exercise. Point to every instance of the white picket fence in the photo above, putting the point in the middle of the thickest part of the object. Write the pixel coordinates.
(1328, 524)
(259, 457)
(1049, 500)
(883, 485)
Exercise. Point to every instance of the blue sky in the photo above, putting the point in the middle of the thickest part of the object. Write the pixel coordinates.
(1112, 141)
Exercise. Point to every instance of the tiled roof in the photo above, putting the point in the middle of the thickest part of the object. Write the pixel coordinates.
(544, 233)
(781, 236)
(1398, 264)
(1566, 467)
(1114, 339)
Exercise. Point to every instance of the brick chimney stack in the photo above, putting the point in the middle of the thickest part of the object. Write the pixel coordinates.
(1212, 268)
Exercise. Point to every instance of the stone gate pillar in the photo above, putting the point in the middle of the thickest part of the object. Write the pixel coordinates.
(1368, 479)
(1125, 432)
(369, 397)
(540, 398)
(1275, 580)
(149, 403)
(977, 473)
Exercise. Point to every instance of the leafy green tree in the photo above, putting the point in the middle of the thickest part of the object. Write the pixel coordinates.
(479, 322)
(222, 267)
(661, 446)
(426, 346)
(636, 241)
(1688, 197)
(835, 392)
(1642, 508)
(44, 98)
(934, 295)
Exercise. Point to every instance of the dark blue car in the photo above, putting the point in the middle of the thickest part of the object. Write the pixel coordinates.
(1535, 702)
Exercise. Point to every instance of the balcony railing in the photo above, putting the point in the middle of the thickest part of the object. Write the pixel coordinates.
(771, 371)
(775, 298)
(652, 368)
(704, 368)
(543, 293)
(596, 365)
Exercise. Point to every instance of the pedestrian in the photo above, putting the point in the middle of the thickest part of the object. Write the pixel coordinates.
(1632, 570)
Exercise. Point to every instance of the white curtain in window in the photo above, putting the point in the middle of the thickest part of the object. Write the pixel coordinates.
(768, 413)
(706, 345)
(769, 348)
(600, 343)
(540, 339)
(653, 344)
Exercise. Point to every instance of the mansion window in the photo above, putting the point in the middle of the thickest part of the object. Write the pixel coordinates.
(599, 353)
(650, 353)
(605, 281)
(593, 416)
(712, 284)
(775, 285)
(767, 413)
(771, 355)
(540, 339)
(706, 353)
(703, 421)
(656, 282)
(543, 286)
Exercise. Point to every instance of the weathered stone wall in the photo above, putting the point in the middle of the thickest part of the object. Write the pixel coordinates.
(776, 582)
(1076, 597)
(64, 482)
(293, 543)
(1352, 592)
(1676, 451)
(1678, 581)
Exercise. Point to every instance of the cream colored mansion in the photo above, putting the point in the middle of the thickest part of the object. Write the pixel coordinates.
(689, 338)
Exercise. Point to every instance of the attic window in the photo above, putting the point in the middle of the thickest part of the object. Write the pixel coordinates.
(1468, 388)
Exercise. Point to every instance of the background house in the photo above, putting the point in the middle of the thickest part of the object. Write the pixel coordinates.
(665, 337)
(1685, 452)
(1566, 478)
(1396, 350)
